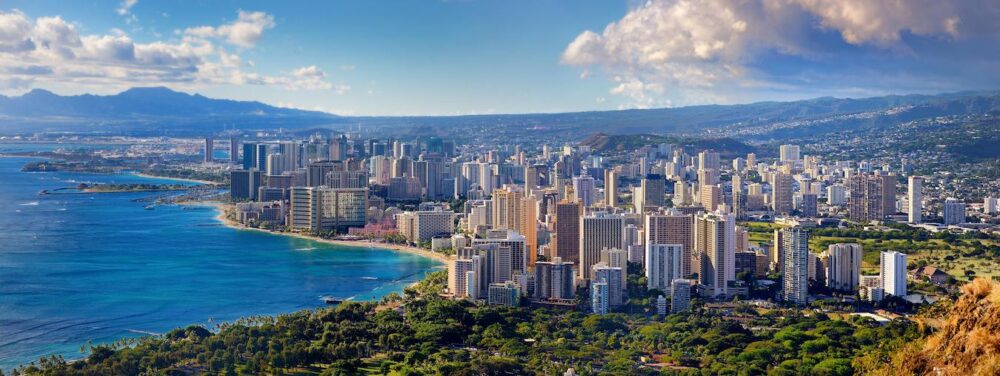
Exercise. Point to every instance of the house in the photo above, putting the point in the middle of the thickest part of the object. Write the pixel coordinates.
(930, 274)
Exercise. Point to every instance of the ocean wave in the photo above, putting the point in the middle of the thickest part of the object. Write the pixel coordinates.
(33, 203)
(306, 249)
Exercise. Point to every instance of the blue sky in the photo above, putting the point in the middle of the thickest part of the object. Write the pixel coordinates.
(465, 57)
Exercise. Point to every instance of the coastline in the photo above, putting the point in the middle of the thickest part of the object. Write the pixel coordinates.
(220, 209)
(143, 175)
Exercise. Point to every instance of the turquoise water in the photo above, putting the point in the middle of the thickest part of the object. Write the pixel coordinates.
(97, 267)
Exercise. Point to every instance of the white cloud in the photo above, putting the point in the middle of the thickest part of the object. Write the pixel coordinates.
(246, 31)
(126, 7)
(50, 51)
(698, 49)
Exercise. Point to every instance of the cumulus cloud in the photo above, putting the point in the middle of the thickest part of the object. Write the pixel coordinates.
(703, 49)
(51, 50)
(244, 32)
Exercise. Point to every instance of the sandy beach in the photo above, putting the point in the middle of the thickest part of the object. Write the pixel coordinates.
(173, 178)
(221, 216)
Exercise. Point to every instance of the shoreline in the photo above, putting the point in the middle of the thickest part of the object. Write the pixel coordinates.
(220, 209)
(143, 175)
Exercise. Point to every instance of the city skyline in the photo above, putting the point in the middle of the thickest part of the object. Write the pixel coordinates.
(482, 57)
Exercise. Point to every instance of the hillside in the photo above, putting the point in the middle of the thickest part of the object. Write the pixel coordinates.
(605, 143)
(967, 344)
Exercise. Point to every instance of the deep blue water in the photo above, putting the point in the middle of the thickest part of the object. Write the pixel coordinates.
(97, 267)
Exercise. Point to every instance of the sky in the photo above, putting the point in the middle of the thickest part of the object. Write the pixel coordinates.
(481, 57)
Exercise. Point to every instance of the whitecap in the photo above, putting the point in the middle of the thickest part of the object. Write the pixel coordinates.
(306, 249)
(33, 203)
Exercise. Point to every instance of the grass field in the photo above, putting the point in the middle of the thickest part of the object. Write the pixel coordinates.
(947, 256)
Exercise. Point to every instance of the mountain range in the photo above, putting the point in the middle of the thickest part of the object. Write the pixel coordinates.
(159, 110)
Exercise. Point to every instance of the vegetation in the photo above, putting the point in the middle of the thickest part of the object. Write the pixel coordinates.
(427, 334)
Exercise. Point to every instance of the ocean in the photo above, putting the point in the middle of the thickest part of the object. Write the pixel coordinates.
(79, 268)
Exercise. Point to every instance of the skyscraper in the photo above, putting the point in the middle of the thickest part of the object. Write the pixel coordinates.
(893, 273)
(781, 193)
(599, 296)
(653, 188)
(610, 187)
(234, 149)
(209, 149)
(670, 226)
(598, 231)
(584, 187)
(663, 265)
(872, 197)
(567, 238)
(954, 213)
(612, 276)
(843, 266)
(789, 153)
(554, 279)
(715, 247)
(914, 207)
(680, 295)
(795, 273)
(711, 197)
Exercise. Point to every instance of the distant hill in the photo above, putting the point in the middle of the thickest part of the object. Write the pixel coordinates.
(161, 110)
(139, 108)
(727, 147)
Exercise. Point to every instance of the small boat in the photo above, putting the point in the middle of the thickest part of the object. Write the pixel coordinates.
(149, 207)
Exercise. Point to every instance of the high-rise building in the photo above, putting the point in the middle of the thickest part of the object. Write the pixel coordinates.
(209, 149)
(670, 226)
(234, 149)
(507, 208)
(709, 160)
(872, 197)
(836, 194)
(554, 279)
(610, 187)
(458, 273)
(327, 209)
(781, 193)
(810, 205)
(421, 226)
(617, 258)
(893, 273)
(711, 197)
(915, 194)
(599, 295)
(843, 266)
(715, 247)
(567, 225)
(661, 305)
(612, 276)
(954, 213)
(598, 230)
(653, 192)
(680, 295)
(584, 187)
(244, 184)
(506, 294)
(990, 205)
(789, 153)
(663, 265)
(512, 240)
(795, 273)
